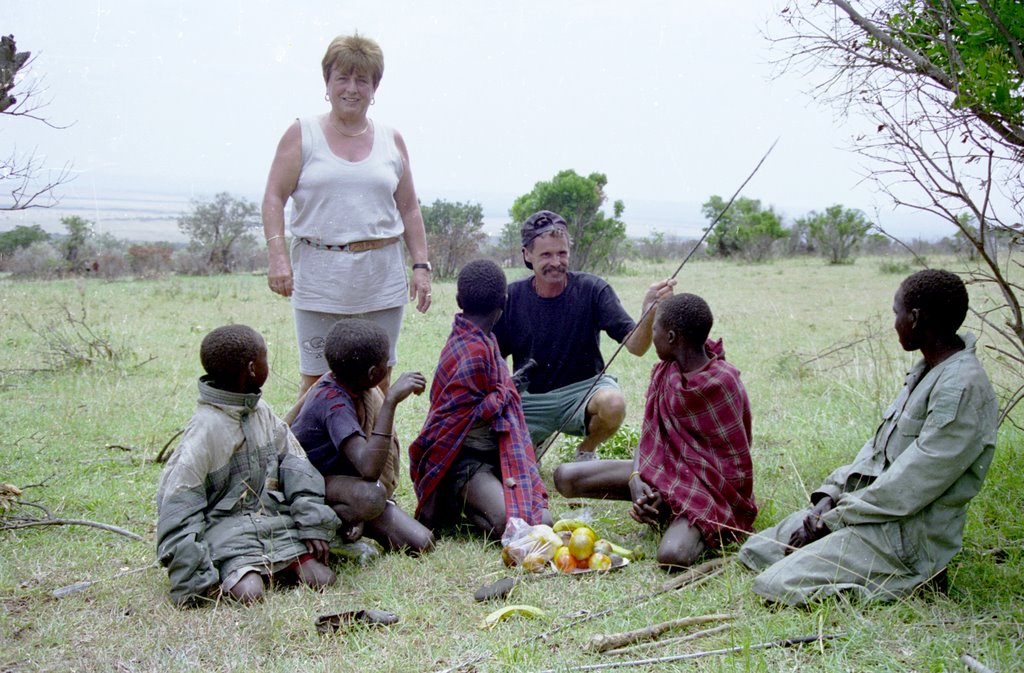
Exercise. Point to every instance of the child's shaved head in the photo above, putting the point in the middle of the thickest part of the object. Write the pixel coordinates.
(353, 346)
(687, 315)
(481, 287)
(940, 295)
(227, 351)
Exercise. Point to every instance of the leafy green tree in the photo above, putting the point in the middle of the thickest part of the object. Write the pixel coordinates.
(746, 230)
(454, 234)
(510, 242)
(21, 237)
(943, 81)
(837, 231)
(75, 246)
(219, 229)
(594, 237)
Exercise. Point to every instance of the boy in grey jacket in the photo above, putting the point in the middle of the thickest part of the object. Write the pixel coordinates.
(238, 500)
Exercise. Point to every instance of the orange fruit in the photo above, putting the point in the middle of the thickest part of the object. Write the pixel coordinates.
(564, 560)
(603, 546)
(599, 561)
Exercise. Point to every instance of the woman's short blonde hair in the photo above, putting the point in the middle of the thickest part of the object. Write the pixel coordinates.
(354, 53)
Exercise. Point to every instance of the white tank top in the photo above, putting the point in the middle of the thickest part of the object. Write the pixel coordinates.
(337, 201)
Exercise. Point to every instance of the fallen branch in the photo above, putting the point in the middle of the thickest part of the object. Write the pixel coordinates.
(692, 577)
(694, 573)
(973, 664)
(609, 641)
(80, 586)
(672, 641)
(787, 642)
(50, 521)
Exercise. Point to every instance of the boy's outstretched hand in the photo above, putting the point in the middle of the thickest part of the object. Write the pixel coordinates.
(408, 383)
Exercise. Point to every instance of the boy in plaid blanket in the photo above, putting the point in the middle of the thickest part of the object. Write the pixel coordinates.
(474, 457)
(692, 469)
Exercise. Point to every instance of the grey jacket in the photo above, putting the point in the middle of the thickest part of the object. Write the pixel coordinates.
(238, 491)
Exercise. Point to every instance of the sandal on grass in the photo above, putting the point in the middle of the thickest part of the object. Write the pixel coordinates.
(330, 623)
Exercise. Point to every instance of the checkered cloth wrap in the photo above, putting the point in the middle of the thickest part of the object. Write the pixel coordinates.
(472, 383)
(695, 446)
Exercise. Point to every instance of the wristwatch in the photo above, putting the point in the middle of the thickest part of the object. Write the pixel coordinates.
(422, 265)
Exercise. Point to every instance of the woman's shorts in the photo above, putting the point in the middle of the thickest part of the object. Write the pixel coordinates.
(311, 328)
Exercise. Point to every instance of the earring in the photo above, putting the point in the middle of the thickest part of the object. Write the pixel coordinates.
(327, 97)
(373, 100)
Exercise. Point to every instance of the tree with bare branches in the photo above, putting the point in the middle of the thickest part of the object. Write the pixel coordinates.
(28, 181)
(943, 83)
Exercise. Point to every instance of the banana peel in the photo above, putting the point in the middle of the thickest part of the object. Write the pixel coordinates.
(491, 620)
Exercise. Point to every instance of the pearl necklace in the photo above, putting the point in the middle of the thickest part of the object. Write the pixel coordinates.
(352, 135)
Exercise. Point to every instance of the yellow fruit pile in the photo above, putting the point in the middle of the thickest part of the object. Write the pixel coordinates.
(571, 546)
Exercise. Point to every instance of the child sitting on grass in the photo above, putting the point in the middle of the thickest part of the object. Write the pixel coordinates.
(692, 469)
(348, 435)
(892, 519)
(238, 500)
(474, 456)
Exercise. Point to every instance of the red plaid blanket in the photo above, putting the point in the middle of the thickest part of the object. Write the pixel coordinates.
(472, 383)
(695, 446)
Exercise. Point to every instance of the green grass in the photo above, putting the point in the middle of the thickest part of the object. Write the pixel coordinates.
(81, 441)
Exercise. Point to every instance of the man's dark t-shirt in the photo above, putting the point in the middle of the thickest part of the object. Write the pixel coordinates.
(563, 333)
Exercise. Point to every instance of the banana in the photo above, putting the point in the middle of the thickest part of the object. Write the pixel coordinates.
(622, 551)
(491, 620)
(569, 525)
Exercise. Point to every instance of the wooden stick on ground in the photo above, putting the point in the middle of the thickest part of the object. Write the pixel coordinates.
(79, 586)
(629, 649)
(786, 642)
(694, 573)
(610, 641)
(26, 523)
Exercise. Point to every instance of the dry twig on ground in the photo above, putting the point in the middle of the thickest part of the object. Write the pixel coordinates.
(609, 641)
(10, 521)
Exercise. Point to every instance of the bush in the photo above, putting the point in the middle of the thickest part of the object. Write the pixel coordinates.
(38, 260)
(150, 260)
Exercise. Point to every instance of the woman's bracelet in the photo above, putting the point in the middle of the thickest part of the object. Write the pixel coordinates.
(381, 434)
(275, 236)
(635, 473)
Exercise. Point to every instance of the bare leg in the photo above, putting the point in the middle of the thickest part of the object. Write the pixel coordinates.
(681, 545)
(353, 499)
(606, 410)
(315, 575)
(249, 589)
(395, 530)
(485, 503)
(607, 479)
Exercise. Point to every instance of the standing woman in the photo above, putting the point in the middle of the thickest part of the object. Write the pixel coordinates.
(353, 202)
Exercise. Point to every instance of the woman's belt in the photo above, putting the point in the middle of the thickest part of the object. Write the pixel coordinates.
(354, 246)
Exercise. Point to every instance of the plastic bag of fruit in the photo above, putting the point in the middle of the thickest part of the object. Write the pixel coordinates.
(531, 547)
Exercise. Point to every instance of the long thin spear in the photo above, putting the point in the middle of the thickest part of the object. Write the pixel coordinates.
(707, 232)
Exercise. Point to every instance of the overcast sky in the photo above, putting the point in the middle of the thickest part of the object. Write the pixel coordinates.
(674, 101)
